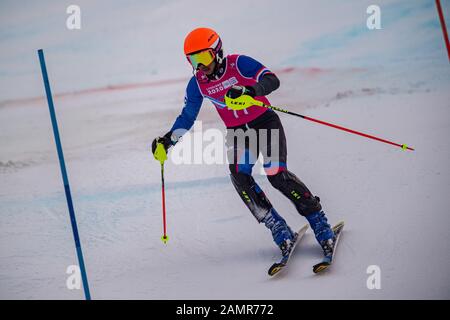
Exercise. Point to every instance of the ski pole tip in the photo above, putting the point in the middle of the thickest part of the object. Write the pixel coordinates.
(405, 147)
(164, 239)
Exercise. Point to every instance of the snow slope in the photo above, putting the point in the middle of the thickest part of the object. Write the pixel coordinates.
(120, 81)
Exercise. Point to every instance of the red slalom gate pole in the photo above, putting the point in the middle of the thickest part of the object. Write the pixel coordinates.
(444, 28)
(403, 146)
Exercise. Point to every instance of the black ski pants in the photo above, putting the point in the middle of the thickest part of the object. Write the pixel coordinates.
(265, 135)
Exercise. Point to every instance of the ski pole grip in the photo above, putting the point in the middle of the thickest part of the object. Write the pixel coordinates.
(160, 153)
(242, 102)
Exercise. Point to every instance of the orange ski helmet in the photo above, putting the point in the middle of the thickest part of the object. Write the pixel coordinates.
(203, 44)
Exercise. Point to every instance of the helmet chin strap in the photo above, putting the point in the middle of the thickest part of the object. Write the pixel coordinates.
(219, 56)
(219, 68)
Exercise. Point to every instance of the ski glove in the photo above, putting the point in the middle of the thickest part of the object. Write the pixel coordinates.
(165, 140)
(236, 91)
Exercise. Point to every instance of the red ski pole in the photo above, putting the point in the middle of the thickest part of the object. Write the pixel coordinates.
(161, 155)
(403, 146)
(164, 238)
(246, 101)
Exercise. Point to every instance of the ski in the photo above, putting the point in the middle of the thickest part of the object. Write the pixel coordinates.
(278, 266)
(328, 260)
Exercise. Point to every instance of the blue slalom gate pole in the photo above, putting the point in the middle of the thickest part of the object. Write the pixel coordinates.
(62, 164)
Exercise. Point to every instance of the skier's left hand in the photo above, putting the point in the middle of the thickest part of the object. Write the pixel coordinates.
(166, 142)
(236, 91)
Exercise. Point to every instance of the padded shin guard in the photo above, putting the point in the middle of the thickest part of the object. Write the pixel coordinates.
(296, 191)
(252, 195)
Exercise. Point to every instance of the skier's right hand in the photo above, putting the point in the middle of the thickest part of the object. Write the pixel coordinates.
(165, 140)
(236, 91)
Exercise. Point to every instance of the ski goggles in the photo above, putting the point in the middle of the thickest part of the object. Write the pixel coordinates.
(204, 57)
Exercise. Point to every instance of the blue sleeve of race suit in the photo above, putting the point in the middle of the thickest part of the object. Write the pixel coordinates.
(251, 68)
(192, 104)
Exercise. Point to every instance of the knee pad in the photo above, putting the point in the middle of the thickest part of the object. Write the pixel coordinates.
(296, 191)
(252, 195)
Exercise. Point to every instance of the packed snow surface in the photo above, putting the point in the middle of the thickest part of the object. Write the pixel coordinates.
(120, 81)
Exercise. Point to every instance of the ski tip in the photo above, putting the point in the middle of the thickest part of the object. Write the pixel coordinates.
(320, 267)
(339, 225)
(164, 239)
(274, 270)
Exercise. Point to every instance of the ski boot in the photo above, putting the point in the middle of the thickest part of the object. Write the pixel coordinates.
(323, 232)
(281, 233)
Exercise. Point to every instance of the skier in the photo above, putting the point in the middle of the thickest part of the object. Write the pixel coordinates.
(215, 75)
